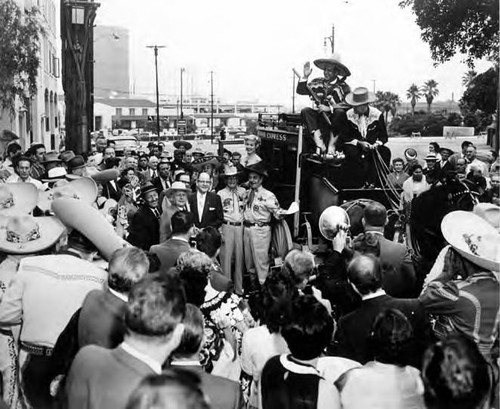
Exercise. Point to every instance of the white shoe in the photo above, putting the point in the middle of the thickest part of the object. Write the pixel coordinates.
(319, 142)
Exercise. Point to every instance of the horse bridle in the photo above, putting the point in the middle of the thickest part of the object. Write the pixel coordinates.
(462, 194)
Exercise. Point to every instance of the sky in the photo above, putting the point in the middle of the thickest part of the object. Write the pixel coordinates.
(252, 46)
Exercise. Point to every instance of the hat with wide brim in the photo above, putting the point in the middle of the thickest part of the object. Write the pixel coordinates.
(322, 63)
(258, 168)
(17, 198)
(360, 96)
(176, 187)
(79, 215)
(51, 157)
(474, 238)
(450, 152)
(83, 189)
(105, 176)
(212, 160)
(48, 230)
(54, 174)
(198, 151)
(489, 212)
(431, 156)
(76, 163)
(231, 171)
(410, 153)
(185, 144)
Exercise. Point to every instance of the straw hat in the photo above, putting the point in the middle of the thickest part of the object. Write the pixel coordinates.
(83, 189)
(185, 144)
(17, 198)
(55, 174)
(322, 63)
(474, 238)
(360, 96)
(78, 215)
(106, 176)
(431, 157)
(176, 186)
(488, 212)
(25, 234)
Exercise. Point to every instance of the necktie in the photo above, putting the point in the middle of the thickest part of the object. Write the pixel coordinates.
(156, 213)
(251, 196)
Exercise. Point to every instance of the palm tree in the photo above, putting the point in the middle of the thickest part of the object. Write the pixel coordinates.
(468, 78)
(387, 101)
(430, 91)
(413, 94)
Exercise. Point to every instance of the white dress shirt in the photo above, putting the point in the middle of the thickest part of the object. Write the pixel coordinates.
(200, 199)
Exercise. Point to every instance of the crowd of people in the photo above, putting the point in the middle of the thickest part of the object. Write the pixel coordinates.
(145, 281)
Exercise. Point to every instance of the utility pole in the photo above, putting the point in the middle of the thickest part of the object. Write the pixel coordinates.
(374, 82)
(155, 48)
(212, 106)
(331, 39)
(293, 93)
(182, 112)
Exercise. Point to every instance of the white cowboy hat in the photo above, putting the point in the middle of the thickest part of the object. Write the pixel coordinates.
(322, 63)
(489, 212)
(176, 186)
(473, 237)
(82, 188)
(231, 171)
(17, 198)
(360, 96)
(89, 222)
(25, 234)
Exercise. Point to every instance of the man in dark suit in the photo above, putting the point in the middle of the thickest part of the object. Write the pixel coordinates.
(206, 206)
(182, 223)
(152, 171)
(399, 279)
(221, 392)
(102, 316)
(163, 181)
(103, 378)
(145, 226)
(353, 334)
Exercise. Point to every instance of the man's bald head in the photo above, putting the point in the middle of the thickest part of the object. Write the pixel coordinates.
(364, 273)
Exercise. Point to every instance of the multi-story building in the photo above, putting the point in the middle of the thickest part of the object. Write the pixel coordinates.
(111, 62)
(41, 121)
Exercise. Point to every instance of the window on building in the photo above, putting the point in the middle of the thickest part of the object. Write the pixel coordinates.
(144, 111)
(131, 111)
(47, 124)
(118, 111)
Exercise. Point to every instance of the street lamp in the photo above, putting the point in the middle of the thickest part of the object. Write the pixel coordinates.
(155, 48)
(182, 112)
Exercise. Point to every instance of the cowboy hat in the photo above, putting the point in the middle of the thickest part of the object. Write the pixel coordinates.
(25, 234)
(200, 162)
(76, 163)
(55, 174)
(66, 156)
(51, 157)
(450, 152)
(80, 216)
(258, 168)
(322, 63)
(83, 189)
(185, 144)
(360, 96)
(17, 198)
(231, 171)
(489, 212)
(106, 176)
(473, 237)
(176, 187)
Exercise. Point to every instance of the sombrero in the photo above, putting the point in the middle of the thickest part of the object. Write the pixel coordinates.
(322, 63)
(211, 160)
(474, 238)
(360, 96)
(185, 144)
(83, 189)
(258, 168)
(176, 186)
(17, 198)
(54, 174)
(106, 176)
(25, 234)
(78, 215)
(488, 212)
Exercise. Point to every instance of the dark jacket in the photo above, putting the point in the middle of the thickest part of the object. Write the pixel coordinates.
(169, 251)
(111, 192)
(213, 215)
(156, 182)
(353, 334)
(144, 229)
(376, 129)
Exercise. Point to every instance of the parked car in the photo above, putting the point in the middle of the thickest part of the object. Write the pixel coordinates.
(124, 142)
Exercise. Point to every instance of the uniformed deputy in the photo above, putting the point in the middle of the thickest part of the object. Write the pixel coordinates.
(261, 205)
(233, 199)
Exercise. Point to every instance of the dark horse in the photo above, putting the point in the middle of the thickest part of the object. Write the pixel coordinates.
(426, 213)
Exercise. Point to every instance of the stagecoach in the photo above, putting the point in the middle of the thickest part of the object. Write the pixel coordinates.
(313, 181)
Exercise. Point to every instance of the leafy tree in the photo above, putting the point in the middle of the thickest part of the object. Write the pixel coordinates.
(19, 49)
(413, 94)
(430, 90)
(454, 119)
(387, 101)
(468, 77)
(450, 26)
(481, 94)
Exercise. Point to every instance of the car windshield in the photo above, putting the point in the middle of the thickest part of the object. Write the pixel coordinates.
(122, 143)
